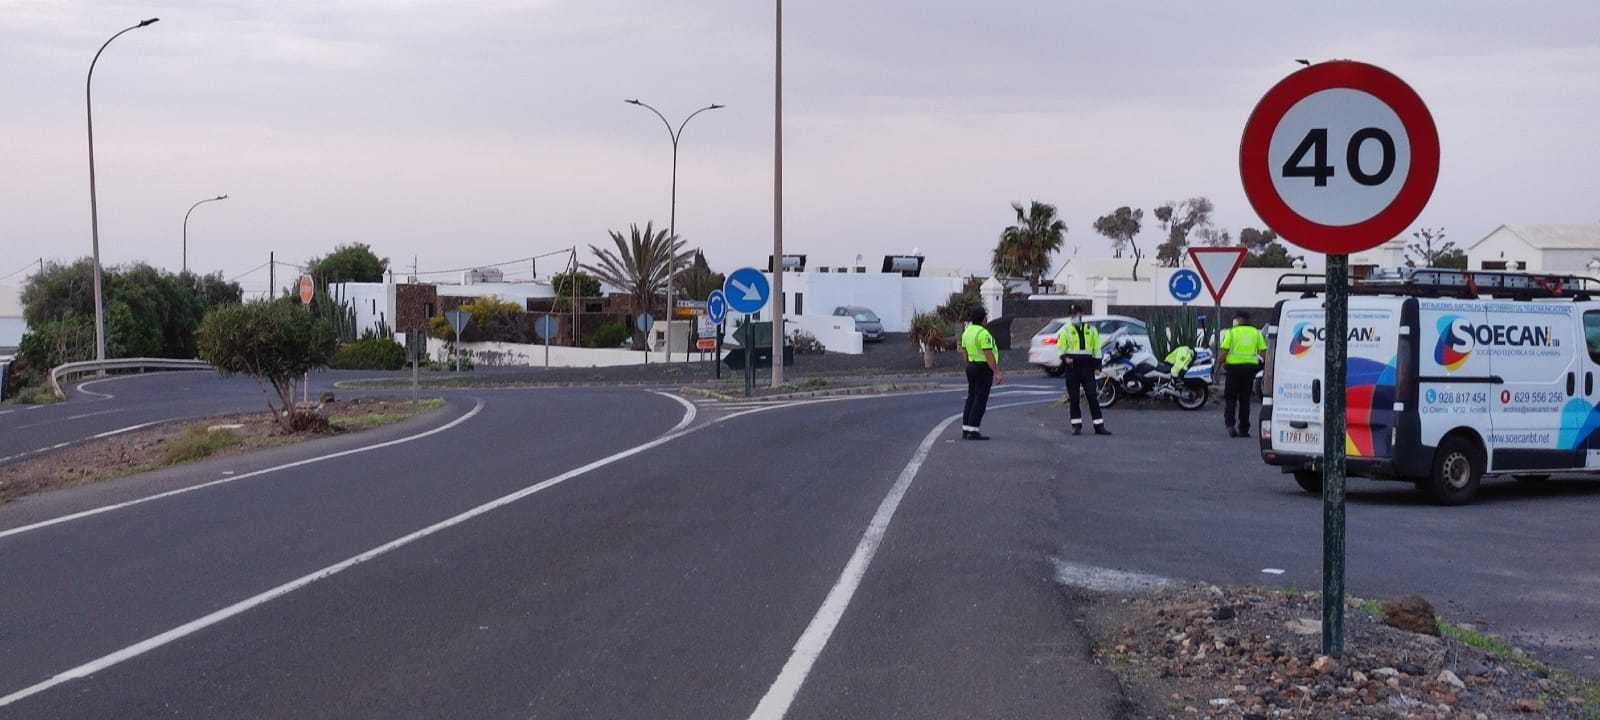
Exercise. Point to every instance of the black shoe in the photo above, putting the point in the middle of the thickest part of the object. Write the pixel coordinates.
(975, 435)
(1244, 433)
(1077, 430)
(1101, 431)
(1233, 433)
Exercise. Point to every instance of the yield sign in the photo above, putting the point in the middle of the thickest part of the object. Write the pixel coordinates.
(1217, 266)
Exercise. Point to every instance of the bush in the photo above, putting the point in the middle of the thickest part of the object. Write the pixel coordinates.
(273, 343)
(370, 353)
(958, 308)
(610, 335)
(805, 343)
(199, 442)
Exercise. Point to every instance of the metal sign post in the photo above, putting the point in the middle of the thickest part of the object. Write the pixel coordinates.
(749, 355)
(547, 327)
(644, 322)
(1338, 158)
(458, 320)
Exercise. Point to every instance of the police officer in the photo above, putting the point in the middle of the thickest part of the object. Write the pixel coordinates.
(983, 372)
(1241, 347)
(1080, 356)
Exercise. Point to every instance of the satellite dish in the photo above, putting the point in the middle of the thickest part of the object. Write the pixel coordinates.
(916, 251)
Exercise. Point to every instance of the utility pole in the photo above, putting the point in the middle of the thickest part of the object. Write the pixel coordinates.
(777, 212)
(272, 276)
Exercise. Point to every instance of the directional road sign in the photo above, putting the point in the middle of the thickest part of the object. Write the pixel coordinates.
(1184, 285)
(716, 307)
(1217, 266)
(1339, 157)
(747, 290)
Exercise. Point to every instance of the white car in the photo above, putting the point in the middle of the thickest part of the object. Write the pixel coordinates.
(1042, 351)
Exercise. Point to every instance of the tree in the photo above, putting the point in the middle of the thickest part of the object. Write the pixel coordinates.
(1264, 250)
(1025, 248)
(347, 263)
(1178, 219)
(639, 266)
(588, 287)
(1432, 250)
(275, 344)
(698, 281)
(1122, 226)
(148, 312)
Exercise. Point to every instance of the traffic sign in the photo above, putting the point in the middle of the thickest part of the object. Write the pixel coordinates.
(747, 290)
(547, 326)
(1217, 266)
(307, 289)
(458, 320)
(1184, 285)
(644, 322)
(716, 307)
(1339, 157)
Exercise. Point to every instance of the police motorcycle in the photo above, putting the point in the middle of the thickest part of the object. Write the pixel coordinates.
(1127, 369)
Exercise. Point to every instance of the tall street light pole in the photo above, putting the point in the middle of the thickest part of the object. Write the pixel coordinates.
(94, 207)
(186, 228)
(777, 210)
(672, 222)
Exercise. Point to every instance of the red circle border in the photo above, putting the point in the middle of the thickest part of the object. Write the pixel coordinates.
(1390, 222)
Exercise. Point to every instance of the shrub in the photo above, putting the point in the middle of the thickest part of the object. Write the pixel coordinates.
(610, 335)
(805, 343)
(370, 353)
(273, 343)
(959, 307)
(199, 442)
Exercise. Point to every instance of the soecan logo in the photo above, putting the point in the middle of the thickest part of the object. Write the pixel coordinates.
(1458, 338)
(1305, 336)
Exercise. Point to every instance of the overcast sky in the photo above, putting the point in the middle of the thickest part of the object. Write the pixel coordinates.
(469, 132)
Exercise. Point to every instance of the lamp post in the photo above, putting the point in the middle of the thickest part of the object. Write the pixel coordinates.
(186, 228)
(94, 208)
(672, 221)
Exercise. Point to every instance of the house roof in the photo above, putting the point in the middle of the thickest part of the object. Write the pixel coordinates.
(1553, 237)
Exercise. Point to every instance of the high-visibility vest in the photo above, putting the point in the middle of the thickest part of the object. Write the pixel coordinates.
(1078, 339)
(976, 339)
(1243, 343)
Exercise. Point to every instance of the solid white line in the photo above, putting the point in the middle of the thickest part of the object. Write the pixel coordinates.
(106, 434)
(806, 650)
(6, 412)
(170, 493)
(95, 413)
(247, 604)
(688, 416)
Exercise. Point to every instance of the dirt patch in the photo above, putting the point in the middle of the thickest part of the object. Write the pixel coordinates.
(175, 443)
(1254, 653)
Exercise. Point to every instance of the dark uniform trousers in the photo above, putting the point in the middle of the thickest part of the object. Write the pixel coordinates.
(979, 380)
(1080, 378)
(1237, 380)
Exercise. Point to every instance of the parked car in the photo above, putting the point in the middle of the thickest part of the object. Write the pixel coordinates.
(1042, 351)
(867, 322)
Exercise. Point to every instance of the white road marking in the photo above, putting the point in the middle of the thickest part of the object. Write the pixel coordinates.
(170, 493)
(775, 704)
(6, 412)
(255, 601)
(100, 436)
(1100, 579)
(94, 414)
(1272, 571)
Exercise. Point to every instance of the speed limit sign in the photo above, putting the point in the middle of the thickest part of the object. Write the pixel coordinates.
(1339, 157)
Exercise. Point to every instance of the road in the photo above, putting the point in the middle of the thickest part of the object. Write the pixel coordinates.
(611, 552)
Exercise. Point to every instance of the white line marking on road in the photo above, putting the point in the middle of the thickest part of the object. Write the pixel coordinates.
(6, 412)
(170, 493)
(254, 601)
(100, 436)
(1272, 571)
(95, 413)
(688, 417)
(806, 650)
(1100, 579)
(83, 388)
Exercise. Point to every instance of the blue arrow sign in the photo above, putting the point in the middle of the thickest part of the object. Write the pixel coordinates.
(1184, 285)
(716, 307)
(747, 290)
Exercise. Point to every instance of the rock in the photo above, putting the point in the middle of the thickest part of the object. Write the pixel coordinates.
(1411, 668)
(1449, 678)
(1386, 672)
(1324, 664)
(1226, 612)
(1358, 677)
(1305, 626)
(1412, 613)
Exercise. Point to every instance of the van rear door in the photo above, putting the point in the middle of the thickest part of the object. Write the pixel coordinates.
(1298, 386)
(1296, 392)
(1534, 349)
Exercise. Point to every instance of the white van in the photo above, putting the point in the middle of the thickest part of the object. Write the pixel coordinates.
(1452, 375)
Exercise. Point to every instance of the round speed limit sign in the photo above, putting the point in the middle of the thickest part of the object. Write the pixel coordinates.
(1339, 157)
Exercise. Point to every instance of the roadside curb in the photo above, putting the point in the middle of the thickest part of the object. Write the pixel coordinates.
(876, 389)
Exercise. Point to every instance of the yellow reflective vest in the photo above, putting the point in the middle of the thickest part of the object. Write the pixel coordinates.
(976, 339)
(1243, 343)
(1078, 339)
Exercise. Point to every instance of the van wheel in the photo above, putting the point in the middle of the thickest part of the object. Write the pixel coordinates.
(1107, 392)
(1309, 481)
(1457, 467)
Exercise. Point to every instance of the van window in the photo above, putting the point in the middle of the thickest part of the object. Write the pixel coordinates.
(1591, 333)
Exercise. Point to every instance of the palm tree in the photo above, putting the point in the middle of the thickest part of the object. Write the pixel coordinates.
(639, 266)
(1025, 248)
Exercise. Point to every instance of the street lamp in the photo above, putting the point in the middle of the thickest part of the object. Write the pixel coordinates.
(94, 208)
(186, 228)
(672, 221)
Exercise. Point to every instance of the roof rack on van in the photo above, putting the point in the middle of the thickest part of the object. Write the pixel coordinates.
(1444, 282)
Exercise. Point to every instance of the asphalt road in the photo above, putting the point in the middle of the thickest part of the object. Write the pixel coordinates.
(624, 552)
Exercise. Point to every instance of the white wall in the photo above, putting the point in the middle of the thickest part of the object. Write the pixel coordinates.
(837, 334)
(489, 354)
(1251, 287)
(373, 302)
(12, 328)
(894, 298)
(1504, 245)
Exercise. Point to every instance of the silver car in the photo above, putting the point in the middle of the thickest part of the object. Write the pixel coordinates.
(867, 322)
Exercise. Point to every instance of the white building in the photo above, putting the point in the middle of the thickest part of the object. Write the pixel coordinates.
(12, 327)
(1539, 248)
(374, 303)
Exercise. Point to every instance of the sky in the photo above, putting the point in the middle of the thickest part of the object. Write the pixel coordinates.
(461, 133)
